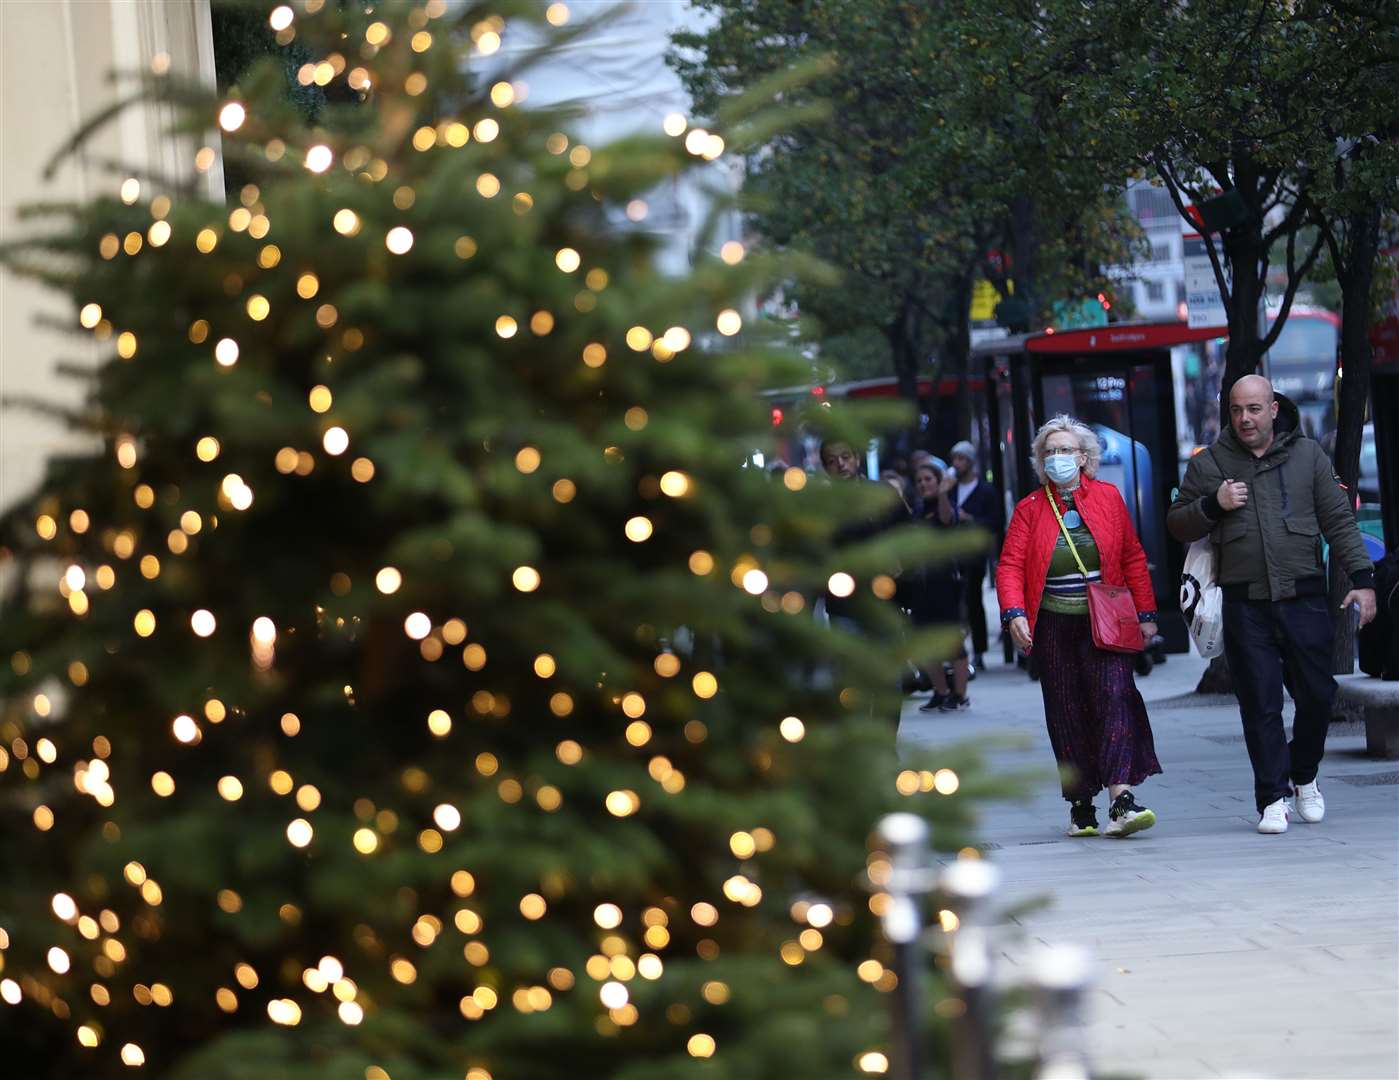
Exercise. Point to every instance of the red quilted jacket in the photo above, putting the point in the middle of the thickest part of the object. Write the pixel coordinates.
(1030, 541)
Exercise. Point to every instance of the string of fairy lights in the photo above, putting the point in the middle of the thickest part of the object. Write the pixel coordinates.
(618, 959)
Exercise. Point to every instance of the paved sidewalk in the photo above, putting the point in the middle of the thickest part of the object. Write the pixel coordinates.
(1221, 953)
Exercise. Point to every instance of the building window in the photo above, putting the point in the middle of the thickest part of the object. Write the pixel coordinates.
(1161, 253)
(1155, 292)
(1152, 204)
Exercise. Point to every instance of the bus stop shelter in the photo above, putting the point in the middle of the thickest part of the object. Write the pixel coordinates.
(1116, 379)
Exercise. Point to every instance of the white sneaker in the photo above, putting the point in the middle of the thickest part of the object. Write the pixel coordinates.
(1274, 817)
(1310, 806)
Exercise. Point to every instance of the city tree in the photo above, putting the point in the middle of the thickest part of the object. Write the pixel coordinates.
(1243, 112)
(923, 176)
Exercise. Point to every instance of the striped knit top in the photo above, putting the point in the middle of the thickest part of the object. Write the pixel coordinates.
(1064, 590)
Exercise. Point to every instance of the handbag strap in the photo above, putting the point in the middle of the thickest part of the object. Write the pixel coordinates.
(1065, 530)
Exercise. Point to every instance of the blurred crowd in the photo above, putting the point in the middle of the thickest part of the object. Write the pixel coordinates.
(941, 494)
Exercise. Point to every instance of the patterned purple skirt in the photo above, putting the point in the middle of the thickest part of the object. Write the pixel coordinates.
(1095, 714)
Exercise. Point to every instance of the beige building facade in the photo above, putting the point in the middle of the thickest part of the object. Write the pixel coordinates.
(57, 58)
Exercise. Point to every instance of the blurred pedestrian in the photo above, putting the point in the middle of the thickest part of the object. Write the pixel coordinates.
(1097, 720)
(937, 601)
(1268, 495)
(839, 460)
(901, 484)
(842, 466)
(927, 457)
(977, 504)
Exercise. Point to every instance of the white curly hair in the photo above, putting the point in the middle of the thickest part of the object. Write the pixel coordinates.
(1087, 442)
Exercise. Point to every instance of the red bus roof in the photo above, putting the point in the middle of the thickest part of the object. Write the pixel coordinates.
(1120, 337)
(1306, 311)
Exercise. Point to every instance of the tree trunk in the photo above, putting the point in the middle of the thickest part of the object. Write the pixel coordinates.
(906, 371)
(1243, 250)
(1356, 281)
(1356, 278)
(903, 344)
(959, 348)
(1025, 256)
(904, 348)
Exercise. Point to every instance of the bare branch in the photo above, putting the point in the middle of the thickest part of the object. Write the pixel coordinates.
(1294, 280)
(1174, 188)
(1291, 222)
(1329, 235)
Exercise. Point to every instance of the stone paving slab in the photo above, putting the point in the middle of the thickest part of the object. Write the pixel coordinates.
(1220, 952)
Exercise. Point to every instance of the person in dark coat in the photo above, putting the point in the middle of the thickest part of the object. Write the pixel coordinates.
(1267, 495)
(842, 465)
(937, 599)
(977, 503)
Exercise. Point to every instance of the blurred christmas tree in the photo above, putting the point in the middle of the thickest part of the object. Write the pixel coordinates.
(413, 683)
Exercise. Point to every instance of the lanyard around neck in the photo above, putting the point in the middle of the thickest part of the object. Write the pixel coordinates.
(1054, 505)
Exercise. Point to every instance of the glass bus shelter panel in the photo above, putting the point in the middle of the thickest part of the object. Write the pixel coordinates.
(1197, 368)
(1122, 402)
(1012, 418)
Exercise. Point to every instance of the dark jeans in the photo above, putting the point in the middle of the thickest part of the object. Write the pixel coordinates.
(1260, 636)
(972, 577)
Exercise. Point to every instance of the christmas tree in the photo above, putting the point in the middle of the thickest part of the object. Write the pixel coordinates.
(412, 681)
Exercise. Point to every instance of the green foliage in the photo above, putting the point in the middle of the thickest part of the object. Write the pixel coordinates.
(1289, 106)
(497, 411)
(926, 161)
(862, 353)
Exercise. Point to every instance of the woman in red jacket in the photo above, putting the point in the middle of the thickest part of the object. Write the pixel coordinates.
(1096, 717)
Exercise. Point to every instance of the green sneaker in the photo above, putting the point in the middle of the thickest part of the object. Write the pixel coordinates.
(1083, 818)
(1127, 816)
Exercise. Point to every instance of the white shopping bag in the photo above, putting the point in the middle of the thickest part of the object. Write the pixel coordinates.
(1202, 600)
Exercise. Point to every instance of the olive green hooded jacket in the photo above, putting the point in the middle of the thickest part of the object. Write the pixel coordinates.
(1270, 548)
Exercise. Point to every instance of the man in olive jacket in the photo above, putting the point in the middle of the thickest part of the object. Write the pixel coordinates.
(1266, 496)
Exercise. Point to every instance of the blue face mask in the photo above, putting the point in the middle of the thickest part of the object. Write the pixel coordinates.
(1061, 468)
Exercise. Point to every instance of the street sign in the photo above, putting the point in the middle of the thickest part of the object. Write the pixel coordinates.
(984, 301)
(1204, 305)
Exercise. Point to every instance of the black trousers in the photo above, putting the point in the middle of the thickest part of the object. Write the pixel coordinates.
(1260, 636)
(972, 578)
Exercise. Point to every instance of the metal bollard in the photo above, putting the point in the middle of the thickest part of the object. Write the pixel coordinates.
(968, 883)
(904, 838)
(1061, 975)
